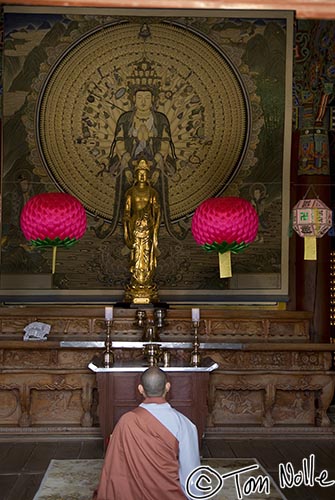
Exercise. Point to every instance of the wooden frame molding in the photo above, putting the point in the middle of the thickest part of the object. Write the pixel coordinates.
(305, 9)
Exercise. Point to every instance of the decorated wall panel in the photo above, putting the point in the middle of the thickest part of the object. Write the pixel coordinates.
(219, 91)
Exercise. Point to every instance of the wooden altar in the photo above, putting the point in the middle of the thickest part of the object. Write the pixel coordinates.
(271, 378)
(118, 394)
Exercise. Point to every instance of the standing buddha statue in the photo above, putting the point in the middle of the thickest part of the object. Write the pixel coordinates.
(141, 220)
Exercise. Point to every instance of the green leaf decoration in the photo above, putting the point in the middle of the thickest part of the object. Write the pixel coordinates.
(57, 242)
(223, 247)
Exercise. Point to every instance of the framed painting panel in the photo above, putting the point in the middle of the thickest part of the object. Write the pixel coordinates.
(215, 87)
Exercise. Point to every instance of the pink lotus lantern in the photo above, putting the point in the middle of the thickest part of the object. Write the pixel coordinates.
(311, 219)
(53, 220)
(225, 225)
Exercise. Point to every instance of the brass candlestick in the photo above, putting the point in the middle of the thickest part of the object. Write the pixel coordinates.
(108, 353)
(195, 354)
(159, 315)
(151, 322)
(153, 353)
(141, 318)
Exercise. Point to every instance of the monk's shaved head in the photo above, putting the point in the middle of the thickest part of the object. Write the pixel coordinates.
(153, 381)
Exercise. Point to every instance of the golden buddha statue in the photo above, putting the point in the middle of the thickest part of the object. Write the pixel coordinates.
(141, 219)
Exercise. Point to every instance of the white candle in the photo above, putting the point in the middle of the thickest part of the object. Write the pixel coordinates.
(195, 314)
(109, 313)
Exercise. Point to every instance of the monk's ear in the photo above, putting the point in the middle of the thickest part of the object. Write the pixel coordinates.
(167, 387)
(140, 389)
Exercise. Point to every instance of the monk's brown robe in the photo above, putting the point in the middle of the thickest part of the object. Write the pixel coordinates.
(141, 461)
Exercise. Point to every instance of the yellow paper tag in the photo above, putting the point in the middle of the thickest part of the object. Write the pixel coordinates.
(309, 248)
(225, 265)
(54, 254)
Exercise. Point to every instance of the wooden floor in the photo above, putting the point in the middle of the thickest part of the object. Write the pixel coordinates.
(22, 464)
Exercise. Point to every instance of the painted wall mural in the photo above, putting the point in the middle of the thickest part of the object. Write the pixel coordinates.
(313, 95)
(202, 97)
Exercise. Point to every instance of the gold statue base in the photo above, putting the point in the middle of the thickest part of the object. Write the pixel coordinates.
(141, 294)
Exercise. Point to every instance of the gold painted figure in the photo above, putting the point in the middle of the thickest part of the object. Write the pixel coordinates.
(142, 215)
(143, 132)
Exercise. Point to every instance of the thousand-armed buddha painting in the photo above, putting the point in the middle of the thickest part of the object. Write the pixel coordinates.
(204, 97)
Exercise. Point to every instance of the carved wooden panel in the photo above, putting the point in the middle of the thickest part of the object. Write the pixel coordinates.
(295, 331)
(272, 359)
(244, 407)
(46, 397)
(294, 407)
(9, 406)
(236, 328)
(270, 398)
(55, 407)
(218, 324)
(19, 358)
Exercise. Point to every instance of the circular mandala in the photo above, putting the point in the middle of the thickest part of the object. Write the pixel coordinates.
(199, 99)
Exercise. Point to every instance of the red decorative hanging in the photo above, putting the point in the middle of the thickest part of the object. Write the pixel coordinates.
(53, 220)
(225, 225)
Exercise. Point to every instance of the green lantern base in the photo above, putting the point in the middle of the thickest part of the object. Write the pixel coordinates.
(223, 247)
(56, 242)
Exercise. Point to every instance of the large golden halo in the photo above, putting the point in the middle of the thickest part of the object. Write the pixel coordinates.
(201, 94)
